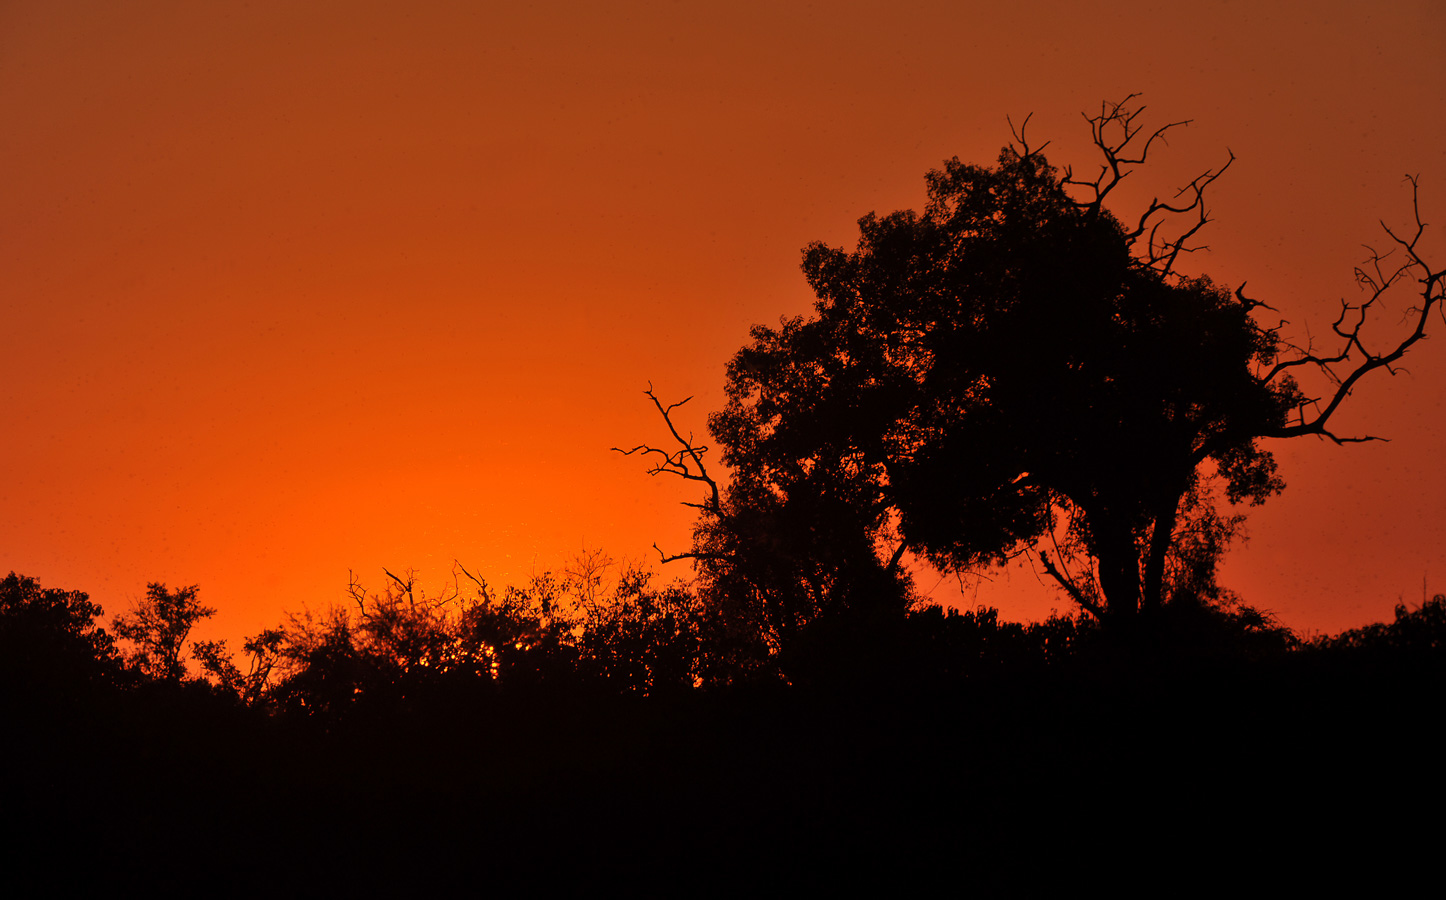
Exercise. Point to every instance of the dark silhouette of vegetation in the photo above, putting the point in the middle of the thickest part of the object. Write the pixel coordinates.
(639, 638)
(1014, 370)
(598, 627)
(573, 727)
(157, 628)
(1416, 638)
(1017, 370)
(51, 642)
(263, 652)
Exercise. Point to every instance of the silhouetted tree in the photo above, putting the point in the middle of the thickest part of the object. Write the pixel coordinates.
(1016, 369)
(792, 583)
(402, 643)
(157, 628)
(263, 652)
(323, 671)
(1416, 637)
(635, 637)
(525, 635)
(50, 639)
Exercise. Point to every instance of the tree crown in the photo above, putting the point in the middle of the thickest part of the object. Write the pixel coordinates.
(998, 360)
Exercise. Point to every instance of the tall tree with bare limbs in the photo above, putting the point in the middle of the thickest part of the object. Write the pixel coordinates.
(1022, 369)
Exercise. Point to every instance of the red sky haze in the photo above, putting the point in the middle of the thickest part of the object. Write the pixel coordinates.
(292, 289)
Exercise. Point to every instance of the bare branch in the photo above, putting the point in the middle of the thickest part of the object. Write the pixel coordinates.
(897, 556)
(1249, 304)
(1069, 586)
(1376, 277)
(686, 462)
(481, 585)
(357, 593)
(692, 554)
(1113, 130)
(1160, 253)
(406, 586)
(1115, 133)
(1023, 150)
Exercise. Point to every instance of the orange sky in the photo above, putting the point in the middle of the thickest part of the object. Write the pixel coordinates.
(291, 289)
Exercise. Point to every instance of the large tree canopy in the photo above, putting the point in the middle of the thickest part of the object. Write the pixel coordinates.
(1016, 368)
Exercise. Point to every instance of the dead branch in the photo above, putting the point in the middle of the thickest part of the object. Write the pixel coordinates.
(1375, 276)
(1250, 304)
(481, 585)
(357, 593)
(1113, 131)
(406, 586)
(896, 557)
(1070, 588)
(1061, 573)
(686, 462)
(691, 554)
(1024, 149)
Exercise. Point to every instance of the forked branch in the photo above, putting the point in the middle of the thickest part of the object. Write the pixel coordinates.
(686, 462)
(1024, 150)
(1071, 588)
(1375, 276)
(1115, 133)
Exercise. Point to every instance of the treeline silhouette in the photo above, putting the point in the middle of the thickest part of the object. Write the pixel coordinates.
(1016, 371)
(597, 728)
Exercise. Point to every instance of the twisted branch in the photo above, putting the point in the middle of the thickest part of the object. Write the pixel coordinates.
(1376, 277)
(687, 463)
(1113, 131)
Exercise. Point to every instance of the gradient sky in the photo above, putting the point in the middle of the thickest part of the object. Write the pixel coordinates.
(289, 289)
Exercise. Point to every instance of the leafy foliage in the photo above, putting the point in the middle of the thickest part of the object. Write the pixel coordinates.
(589, 629)
(983, 374)
(638, 638)
(50, 639)
(401, 643)
(791, 567)
(157, 628)
(262, 650)
(1415, 636)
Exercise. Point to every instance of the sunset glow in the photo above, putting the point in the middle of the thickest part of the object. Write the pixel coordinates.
(296, 290)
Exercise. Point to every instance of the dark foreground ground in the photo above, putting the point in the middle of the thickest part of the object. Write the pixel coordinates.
(1263, 778)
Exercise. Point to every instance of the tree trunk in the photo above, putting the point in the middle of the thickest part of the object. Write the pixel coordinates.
(1153, 593)
(1119, 562)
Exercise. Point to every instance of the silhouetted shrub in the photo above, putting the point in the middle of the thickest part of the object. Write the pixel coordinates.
(50, 640)
(1415, 639)
(641, 639)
